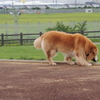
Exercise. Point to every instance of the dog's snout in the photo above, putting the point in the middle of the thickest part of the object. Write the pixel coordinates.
(95, 59)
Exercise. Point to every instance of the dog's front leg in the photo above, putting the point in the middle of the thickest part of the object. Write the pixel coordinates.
(80, 60)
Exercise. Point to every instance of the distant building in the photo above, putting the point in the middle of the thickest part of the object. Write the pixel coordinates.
(96, 1)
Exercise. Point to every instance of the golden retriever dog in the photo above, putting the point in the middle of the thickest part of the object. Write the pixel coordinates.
(72, 45)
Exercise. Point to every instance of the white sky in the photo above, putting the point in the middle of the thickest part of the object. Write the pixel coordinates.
(50, 1)
(67, 1)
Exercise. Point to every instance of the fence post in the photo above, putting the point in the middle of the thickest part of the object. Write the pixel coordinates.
(41, 33)
(2, 39)
(21, 38)
(82, 32)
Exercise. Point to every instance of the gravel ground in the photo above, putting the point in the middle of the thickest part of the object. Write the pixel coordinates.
(39, 81)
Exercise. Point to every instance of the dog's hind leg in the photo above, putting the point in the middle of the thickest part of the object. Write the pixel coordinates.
(50, 54)
(69, 60)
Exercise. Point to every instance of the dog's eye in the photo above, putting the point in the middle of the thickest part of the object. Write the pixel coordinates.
(87, 55)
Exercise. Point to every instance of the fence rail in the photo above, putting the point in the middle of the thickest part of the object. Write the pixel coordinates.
(21, 38)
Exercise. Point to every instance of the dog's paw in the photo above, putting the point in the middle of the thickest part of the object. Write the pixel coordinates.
(53, 64)
(71, 63)
(89, 64)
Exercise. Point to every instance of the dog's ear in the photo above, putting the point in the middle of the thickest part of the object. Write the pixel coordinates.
(94, 51)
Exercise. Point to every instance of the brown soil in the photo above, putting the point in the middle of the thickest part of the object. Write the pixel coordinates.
(39, 81)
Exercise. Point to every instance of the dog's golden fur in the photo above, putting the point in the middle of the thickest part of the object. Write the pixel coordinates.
(72, 45)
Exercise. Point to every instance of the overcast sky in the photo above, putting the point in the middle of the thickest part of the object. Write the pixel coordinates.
(50, 1)
(66, 1)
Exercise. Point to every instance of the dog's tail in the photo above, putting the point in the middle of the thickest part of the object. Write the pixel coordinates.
(37, 43)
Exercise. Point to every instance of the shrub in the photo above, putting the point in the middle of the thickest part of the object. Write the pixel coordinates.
(61, 27)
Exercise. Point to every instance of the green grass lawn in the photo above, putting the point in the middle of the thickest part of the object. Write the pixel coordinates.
(28, 53)
(24, 52)
(45, 18)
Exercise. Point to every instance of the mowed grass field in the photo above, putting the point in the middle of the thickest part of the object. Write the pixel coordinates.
(34, 23)
(45, 18)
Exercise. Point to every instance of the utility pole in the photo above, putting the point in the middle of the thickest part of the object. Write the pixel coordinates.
(12, 4)
(75, 3)
(56, 2)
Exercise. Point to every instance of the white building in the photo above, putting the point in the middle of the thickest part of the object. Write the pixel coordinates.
(96, 1)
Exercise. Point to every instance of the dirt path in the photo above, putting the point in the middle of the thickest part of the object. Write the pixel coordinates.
(38, 81)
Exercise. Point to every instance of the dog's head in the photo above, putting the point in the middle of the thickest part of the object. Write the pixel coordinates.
(92, 55)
